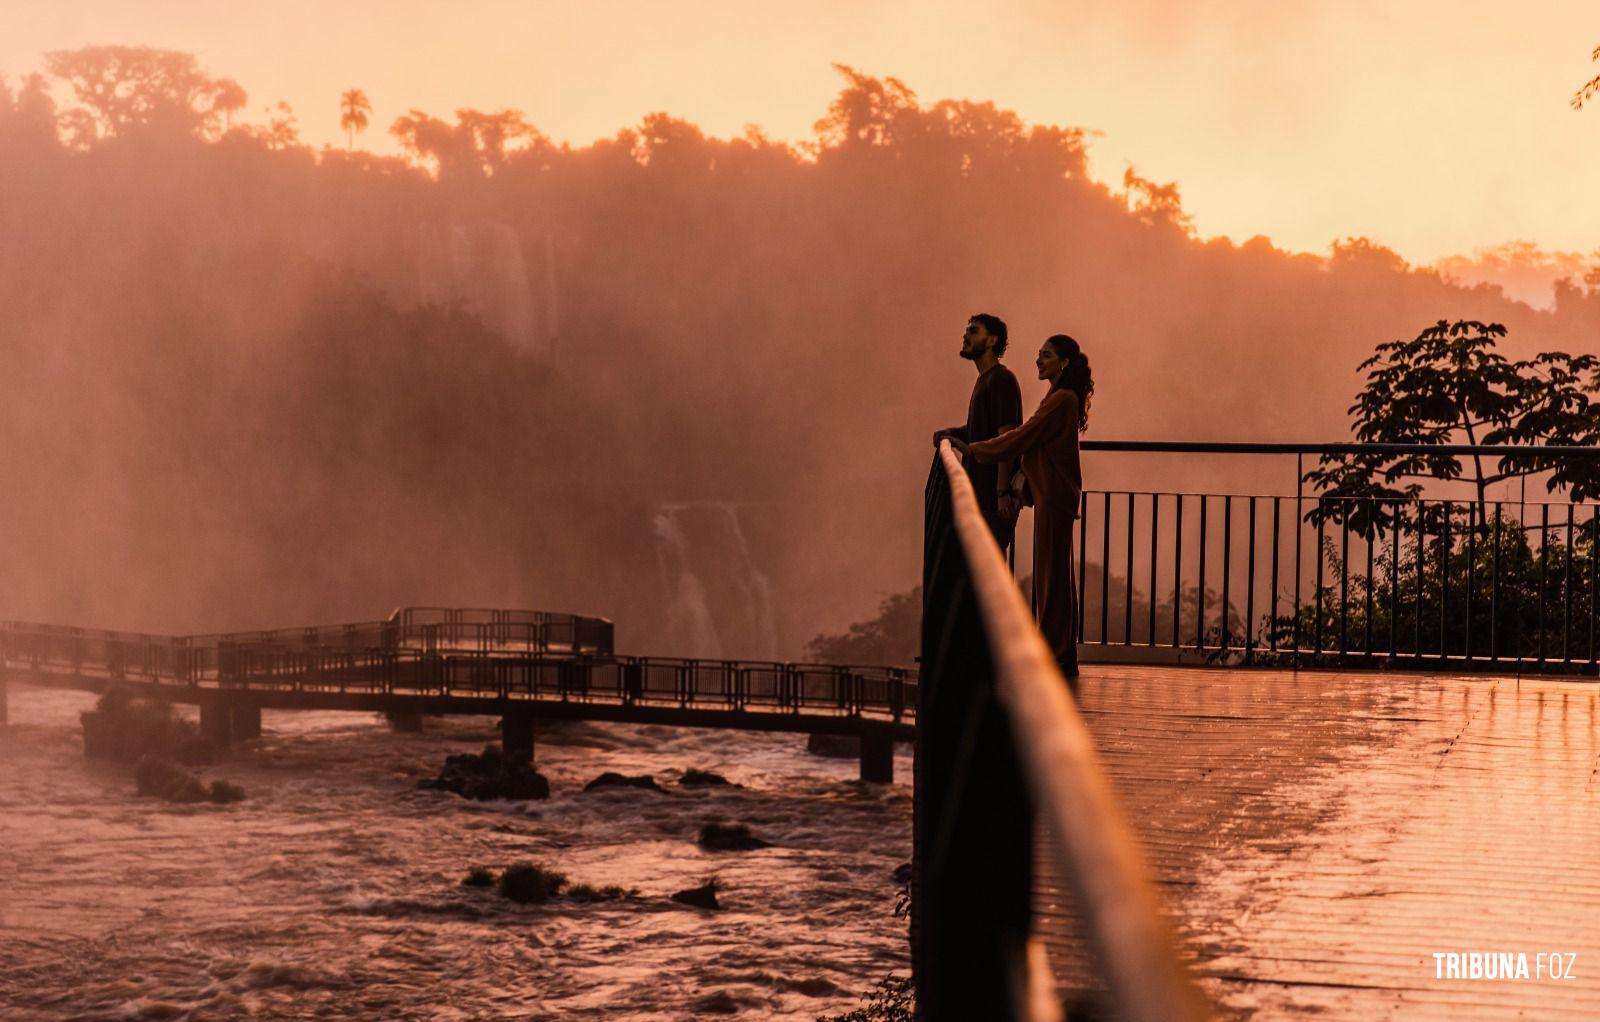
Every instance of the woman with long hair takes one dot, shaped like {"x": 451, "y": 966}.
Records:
{"x": 1047, "y": 446}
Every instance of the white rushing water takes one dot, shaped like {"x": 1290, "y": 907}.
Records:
{"x": 334, "y": 890}
{"x": 716, "y": 595}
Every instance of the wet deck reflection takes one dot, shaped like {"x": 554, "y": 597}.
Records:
{"x": 1320, "y": 836}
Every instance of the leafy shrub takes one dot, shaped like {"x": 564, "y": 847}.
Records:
{"x": 892, "y": 1001}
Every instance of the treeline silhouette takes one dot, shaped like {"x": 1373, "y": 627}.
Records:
{"x": 238, "y": 391}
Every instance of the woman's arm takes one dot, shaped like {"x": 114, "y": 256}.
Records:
{"x": 1059, "y": 410}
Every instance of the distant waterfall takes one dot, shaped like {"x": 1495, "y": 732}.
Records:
{"x": 483, "y": 268}
{"x": 718, "y": 602}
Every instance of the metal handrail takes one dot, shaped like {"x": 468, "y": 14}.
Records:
{"x": 1097, "y": 849}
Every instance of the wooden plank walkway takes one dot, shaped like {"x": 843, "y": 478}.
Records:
{"x": 1319, "y": 836}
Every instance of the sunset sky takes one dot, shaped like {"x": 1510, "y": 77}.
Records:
{"x": 1434, "y": 126}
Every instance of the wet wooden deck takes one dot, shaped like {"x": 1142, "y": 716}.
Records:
{"x": 1319, "y": 836}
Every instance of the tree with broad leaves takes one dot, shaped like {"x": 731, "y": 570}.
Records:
{"x": 1449, "y": 385}
{"x": 122, "y": 89}
{"x": 477, "y": 145}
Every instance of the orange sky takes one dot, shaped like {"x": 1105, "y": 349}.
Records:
{"x": 1435, "y": 126}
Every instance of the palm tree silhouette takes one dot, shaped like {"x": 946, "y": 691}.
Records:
{"x": 353, "y": 111}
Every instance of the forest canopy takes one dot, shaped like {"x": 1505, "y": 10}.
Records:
{"x": 680, "y": 380}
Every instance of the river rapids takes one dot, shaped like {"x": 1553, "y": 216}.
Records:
{"x": 334, "y": 890}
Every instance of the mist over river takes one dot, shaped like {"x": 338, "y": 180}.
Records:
{"x": 334, "y": 890}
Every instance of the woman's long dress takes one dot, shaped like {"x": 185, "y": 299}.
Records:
{"x": 1047, "y": 446}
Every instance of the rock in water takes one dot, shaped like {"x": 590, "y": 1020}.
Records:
{"x": 705, "y": 779}
{"x": 125, "y": 727}
{"x": 729, "y": 837}
{"x": 529, "y": 883}
{"x": 612, "y": 779}
{"x": 490, "y": 775}
{"x": 704, "y": 896}
{"x": 164, "y": 779}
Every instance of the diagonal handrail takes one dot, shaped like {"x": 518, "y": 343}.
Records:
{"x": 1097, "y": 850}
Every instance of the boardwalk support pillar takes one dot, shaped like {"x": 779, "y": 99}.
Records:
{"x": 877, "y": 758}
{"x": 516, "y": 732}
{"x": 216, "y": 722}
{"x": 245, "y": 720}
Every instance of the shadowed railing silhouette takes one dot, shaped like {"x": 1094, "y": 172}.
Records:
{"x": 999, "y": 736}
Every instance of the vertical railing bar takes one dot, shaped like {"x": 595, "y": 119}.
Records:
{"x": 1127, "y": 602}
{"x": 1444, "y": 583}
{"x": 1322, "y": 534}
{"x": 1250, "y": 588}
{"x": 1494, "y": 588}
{"x": 1518, "y": 604}
{"x": 1177, "y": 573}
{"x": 1472, "y": 577}
{"x": 1299, "y": 529}
{"x": 1083, "y": 567}
{"x": 1344, "y": 577}
{"x": 1105, "y": 571}
{"x": 1566, "y": 590}
{"x": 1155, "y": 522}
{"x": 1227, "y": 565}
{"x": 1394, "y": 577}
{"x": 1544, "y": 570}
{"x": 1422, "y": 567}
{"x": 1277, "y": 540}
{"x": 1372, "y": 517}
{"x": 1200, "y": 601}
{"x": 1594, "y": 574}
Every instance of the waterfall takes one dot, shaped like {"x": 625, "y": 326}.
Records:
{"x": 718, "y": 602}
{"x": 482, "y": 268}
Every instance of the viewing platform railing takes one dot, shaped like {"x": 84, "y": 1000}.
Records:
{"x": 197, "y": 658}
{"x": 1359, "y": 581}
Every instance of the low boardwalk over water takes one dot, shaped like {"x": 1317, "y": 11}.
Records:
{"x": 1319, "y": 836}
{"x": 514, "y": 664}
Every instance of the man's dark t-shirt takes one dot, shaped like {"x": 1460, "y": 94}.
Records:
{"x": 996, "y": 405}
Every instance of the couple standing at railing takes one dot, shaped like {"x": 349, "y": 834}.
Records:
{"x": 1013, "y": 463}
